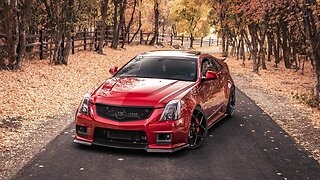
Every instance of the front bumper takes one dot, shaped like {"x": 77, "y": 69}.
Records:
{"x": 151, "y": 128}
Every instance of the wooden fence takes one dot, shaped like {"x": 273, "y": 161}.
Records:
{"x": 43, "y": 44}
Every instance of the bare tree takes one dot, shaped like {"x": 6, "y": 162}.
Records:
{"x": 127, "y": 27}
{"x": 115, "y": 37}
{"x": 156, "y": 22}
{"x": 139, "y": 23}
{"x": 104, "y": 9}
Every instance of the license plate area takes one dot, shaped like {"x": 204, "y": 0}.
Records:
{"x": 120, "y": 135}
{"x": 116, "y": 135}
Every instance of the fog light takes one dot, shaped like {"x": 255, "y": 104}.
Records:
{"x": 164, "y": 138}
{"x": 82, "y": 131}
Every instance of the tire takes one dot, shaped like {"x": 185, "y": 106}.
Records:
{"x": 231, "y": 103}
{"x": 198, "y": 129}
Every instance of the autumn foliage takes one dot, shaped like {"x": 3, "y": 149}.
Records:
{"x": 279, "y": 30}
{"x": 285, "y": 31}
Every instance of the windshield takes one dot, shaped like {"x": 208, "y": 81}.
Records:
{"x": 184, "y": 69}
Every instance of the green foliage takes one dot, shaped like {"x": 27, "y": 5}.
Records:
{"x": 190, "y": 17}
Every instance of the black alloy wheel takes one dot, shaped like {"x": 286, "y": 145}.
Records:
{"x": 198, "y": 129}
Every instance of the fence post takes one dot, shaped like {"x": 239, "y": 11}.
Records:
{"x": 140, "y": 37}
{"x": 201, "y": 41}
{"x": 171, "y": 39}
{"x": 209, "y": 41}
{"x": 85, "y": 39}
{"x": 182, "y": 39}
{"x": 41, "y": 44}
{"x": 72, "y": 41}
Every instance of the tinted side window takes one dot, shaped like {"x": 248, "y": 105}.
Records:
{"x": 216, "y": 66}
{"x": 207, "y": 66}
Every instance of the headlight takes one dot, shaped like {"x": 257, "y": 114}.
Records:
{"x": 171, "y": 111}
{"x": 84, "y": 106}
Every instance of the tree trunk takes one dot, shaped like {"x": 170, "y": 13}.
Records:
{"x": 122, "y": 22}
{"x": 285, "y": 48}
{"x": 127, "y": 32}
{"x": 10, "y": 27}
{"x": 156, "y": 23}
{"x": 270, "y": 41}
{"x": 242, "y": 50}
{"x": 313, "y": 36}
{"x": 223, "y": 30}
{"x": 115, "y": 37}
{"x": 104, "y": 9}
{"x": 139, "y": 23}
{"x": 59, "y": 55}
{"x": 22, "y": 35}
{"x": 226, "y": 53}
{"x": 254, "y": 49}
{"x": 276, "y": 47}
{"x": 262, "y": 50}
{"x": 191, "y": 40}
{"x": 238, "y": 47}
{"x": 69, "y": 28}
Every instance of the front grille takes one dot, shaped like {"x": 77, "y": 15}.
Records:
{"x": 121, "y": 113}
{"x": 120, "y": 138}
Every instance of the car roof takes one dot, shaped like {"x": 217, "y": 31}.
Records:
{"x": 172, "y": 53}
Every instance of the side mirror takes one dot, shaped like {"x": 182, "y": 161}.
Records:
{"x": 113, "y": 70}
{"x": 210, "y": 76}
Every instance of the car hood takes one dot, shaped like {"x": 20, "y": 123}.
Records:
{"x": 130, "y": 91}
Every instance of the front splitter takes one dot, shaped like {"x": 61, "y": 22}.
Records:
{"x": 154, "y": 150}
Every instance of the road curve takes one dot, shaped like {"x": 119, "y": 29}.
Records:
{"x": 249, "y": 146}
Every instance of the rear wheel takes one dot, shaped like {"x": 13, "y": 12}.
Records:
{"x": 198, "y": 129}
{"x": 231, "y": 103}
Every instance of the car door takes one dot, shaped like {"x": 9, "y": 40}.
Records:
{"x": 209, "y": 90}
{"x": 219, "y": 91}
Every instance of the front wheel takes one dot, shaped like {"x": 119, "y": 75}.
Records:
{"x": 198, "y": 129}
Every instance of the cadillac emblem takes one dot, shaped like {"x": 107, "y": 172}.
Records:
{"x": 121, "y": 114}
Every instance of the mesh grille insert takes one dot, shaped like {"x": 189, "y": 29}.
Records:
{"x": 121, "y": 113}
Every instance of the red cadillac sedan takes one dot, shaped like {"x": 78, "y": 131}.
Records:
{"x": 160, "y": 101}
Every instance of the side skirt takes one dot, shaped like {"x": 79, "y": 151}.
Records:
{"x": 222, "y": 117}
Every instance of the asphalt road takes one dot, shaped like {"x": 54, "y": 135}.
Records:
{"x": 249, "y": 146}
